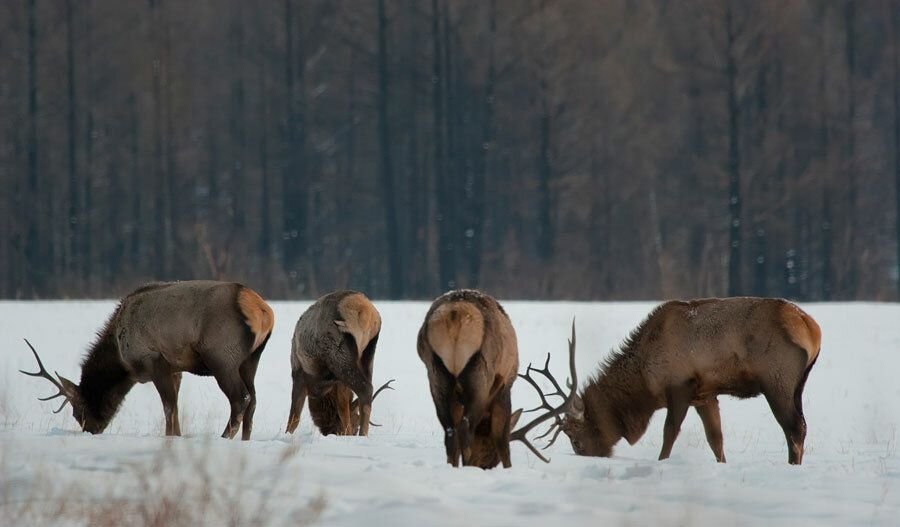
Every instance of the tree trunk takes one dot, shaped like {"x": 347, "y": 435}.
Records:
{"x": 136, "y": 238}
{"x": 486, "y": 152}
{"x": 171, "y": 209}
{"x": 895, "y": 78}
{"x": 265, "y": 231}
{"x": 238, "y": 123}
{"x": 293, "y": 192}
{"x": 545, "y": 171}
{"x": 159, "y": 167}
{"x": 33, "y": 265}
{"x": 416, "y": 266}
{"x": 392, "y": 229}
{"x": 734, "y": 161}
{"x": 851, "y": 278}
{"x": 73, "y": 219}
{"x": 87, "y": 243}
{"x": 760, "y": 263}
{"x": 446, "y": 249}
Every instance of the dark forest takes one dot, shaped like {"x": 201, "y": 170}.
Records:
{"x": 567, "y": 149}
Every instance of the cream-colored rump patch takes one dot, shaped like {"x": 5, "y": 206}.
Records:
{"x": 257, "y": 315}
{"x": 455, "y": 332}
{"x": 360, "y": 319}
{"x": 802, "y": 330}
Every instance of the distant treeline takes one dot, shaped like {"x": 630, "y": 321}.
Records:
{"x": 533, "y": 148}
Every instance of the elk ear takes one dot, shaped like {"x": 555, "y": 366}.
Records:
{"x": 577, "y": 411}
{"x": 514, "y": 418}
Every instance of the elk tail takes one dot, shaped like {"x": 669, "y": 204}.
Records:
{"x": 257, "y": 315}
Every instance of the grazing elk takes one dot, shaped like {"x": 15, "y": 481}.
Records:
{"x": 332, "y": 355}
{"x": 686, "y": 353}
{"x": 161, "y": 330}
{"x": 469, "y": 348}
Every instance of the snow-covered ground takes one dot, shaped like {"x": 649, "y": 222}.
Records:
{"x": 51, "y": 473}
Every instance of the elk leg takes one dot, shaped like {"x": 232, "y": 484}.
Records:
{"x": 176, "y": 380}
{"x": 678, "y": 400}
{"x": 448, "y": 413}
{"x": 500, "y": 425}
{"x": 233, "y": 386}
{"x": 476, "y": 387}
{"x": 342, "y": 397}
{"x": 248, "y": 375}
{"x": 447, "y": 408}
{"x": 165, "y": 385}
{"x": 356, "y": 379}
{"x": 298, "y": 398}
{"x": 712, "y": 424}
{"x": 791, "y": 420}
{"x": 367, "y": 362}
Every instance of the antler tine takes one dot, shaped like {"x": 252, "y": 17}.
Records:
{"x": 42, "y": 372}
{"x": 550, "y": 430}
{"x": 545, "y": 371}
{"x": 553, "y": 439}
{"x": 545, "y": 404}
{"x": 60, "y": 394}
{"x": 528, "y": 444}
{"x": 63, "y": 405}
{"x": 553, "y": 412}
{"x": 385, "y": 386}
{"x": 572, "y": 382}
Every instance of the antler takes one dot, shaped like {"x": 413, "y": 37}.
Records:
{"x": 552, "y": 412}
{"x": 386, "y": 386}
{"x": 63, "y": 392}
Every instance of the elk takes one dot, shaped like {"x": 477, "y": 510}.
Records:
{"x": 687, "y": 353}
{"x": 332, "y": 355}
{"x": 469, "y": 349}
{"x": 159, "y": 331}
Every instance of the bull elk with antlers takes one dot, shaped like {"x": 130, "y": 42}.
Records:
{"x": 469, "y": 348}
{"x": 332, "y": 356}
{"x": 161, "y": 330}
{"x": 686, "y": 353}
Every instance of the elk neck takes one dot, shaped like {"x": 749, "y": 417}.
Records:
{"x": 104, "y": 379}
{"x": 325, "y": 410}
{"x": 617, "y": 402}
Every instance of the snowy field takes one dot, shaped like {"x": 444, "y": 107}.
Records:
{"x": 52, "y": 474}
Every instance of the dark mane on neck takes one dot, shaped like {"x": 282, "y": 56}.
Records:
{"x": 103, "y": 376}
{"x": 621, "y": 357}
{"x": 617, "y": 393}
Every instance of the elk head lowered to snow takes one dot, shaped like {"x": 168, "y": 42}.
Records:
{"x": 161, "y": 330}
{"x": 332, "y": 355}
{"x": 686, "y": 353}
{"x": 469, "y": 348}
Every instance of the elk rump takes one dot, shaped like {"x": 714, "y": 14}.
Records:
{"x": 469, "y": 349}
{"x": 332, "y": 356}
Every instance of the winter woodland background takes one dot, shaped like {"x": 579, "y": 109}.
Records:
{"x": 534, "y": 148}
